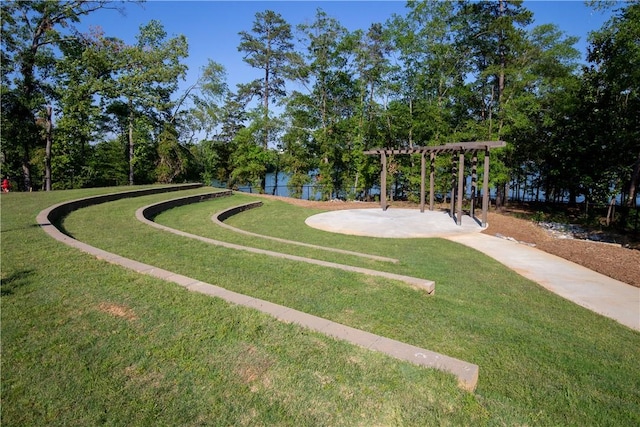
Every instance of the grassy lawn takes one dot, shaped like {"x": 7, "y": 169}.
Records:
{"x": 85, "y": 342}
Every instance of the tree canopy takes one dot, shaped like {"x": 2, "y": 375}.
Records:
{"x": 443, "y": 72}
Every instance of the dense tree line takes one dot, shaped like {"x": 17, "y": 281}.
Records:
{"x": 443, "y": 72}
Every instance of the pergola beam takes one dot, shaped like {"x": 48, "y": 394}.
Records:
{"x": 447, "y": 148}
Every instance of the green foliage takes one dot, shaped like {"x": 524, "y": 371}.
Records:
{"x": 269, "y": 48}
{"x": 215, "y": 157}
{"x": 443, "y": 72}
{"x": 250, "y": 159}
{"x": 432, "y": 67}
{"x": 173, "y": 158}
{"x": 148, "y": 74}
{"x": 296, "y": 161}
{"x": 108, "y": 165}
{"x": 31, "y": 32}
{"x": 614, "y": 85}
{"x": 207, "y": 114}
{"x": 87, "y": 66}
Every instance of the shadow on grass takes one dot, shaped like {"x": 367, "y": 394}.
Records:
{"x": 14, "y": 281}
{"x": 59, "y": 224}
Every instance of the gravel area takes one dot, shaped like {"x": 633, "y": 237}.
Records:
{"x": 612, "y": 260}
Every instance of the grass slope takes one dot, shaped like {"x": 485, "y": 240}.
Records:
{"x": 85, "y": 342}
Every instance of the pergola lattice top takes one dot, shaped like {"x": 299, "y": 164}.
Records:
{"x": 453, "y": 147}
{"x": 460, "y": 148}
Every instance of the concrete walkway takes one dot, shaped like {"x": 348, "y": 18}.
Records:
{"x": 587, "y": 288}
{"x": 599, "y": 293}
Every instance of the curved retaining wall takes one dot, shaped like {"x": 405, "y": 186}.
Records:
{"x": 466, "y": 373}
{"x": 153, "y": 210}
{"x": 59, "y": 211}
{"x": 220, "y": 217}
{"x": 144, "y": 215}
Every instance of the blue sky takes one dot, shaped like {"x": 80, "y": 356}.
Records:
{"x": 212, "y": 27}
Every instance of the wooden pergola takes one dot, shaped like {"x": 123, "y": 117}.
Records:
{"x": 458, "y": 151}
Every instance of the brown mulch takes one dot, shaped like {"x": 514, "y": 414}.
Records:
{"x": 611, "y": 260}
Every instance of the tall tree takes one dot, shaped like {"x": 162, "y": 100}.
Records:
{"x": 249, "y": 160}
{"x": 543, "y": 97}
{"x": 148, "y": 75}
{"x": 210, "y": 92}
{"x": 269, "y": 47}
{"x": 495, "y": 37}
{"x": 432, "y": 67}
{"x": 615, "y": 52}
{"x": 371, "y": 57}
{"x": 219, "y": 150}
{"x": 178, "y": 156}
{"x": 30, "y": 33}
{"x": 217, "y": 115}
{"x": 82, "y": 79}
{"x": 321, "y": 128}
{"x": 429, "y": 77}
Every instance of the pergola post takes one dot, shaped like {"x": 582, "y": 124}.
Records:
{"x": 474, "y": 182}
{"x": 460, "y": 187}
{"x": 453, "y": 185}
{"x": 485, "y": 188}
{"x": 423, "y": 174}
{"x": 383, "y": 181}
{"x": 432, "y": 159}
{"x": 457, "y": 171}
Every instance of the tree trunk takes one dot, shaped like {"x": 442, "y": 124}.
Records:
{"x": 47, "y": 155}
{"x": 411, "y": 124}
{"x": 633, "y": 184}
{"x": 503, "y": 65}
{"x": 355, "y": 186}
{"x": 573, "y": 197}
{"x": 490, "y": 114}
{"x": 506, "y": 199}
{"x": 500, "y": 196}
{"x": 275, "y": 180}
{"x": 130, "y": 142}
{"x": 29, "y": 88}
{"x": 26, "y": 171}
{"x": 611, "y": 211}
{"x": 266, "y": 109}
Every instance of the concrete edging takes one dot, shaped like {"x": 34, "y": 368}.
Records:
{"x": 222, "y": 216}
{"x": 466, "y": 373}
{"x": 144, "y": 214}
{"x": 65, "y": 208}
